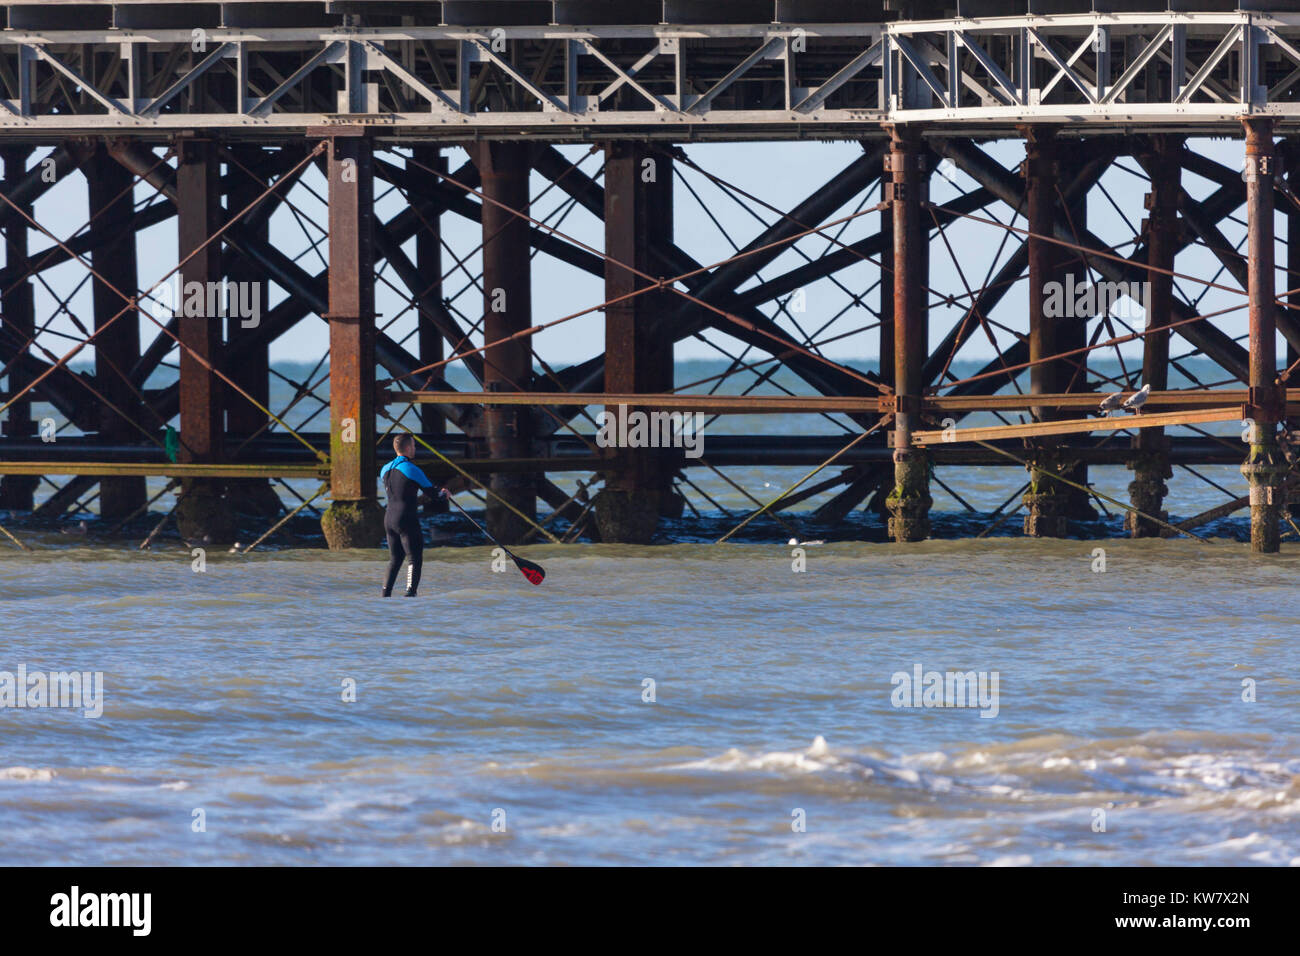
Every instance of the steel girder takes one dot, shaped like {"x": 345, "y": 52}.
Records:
{"x": 1183, "y": 70}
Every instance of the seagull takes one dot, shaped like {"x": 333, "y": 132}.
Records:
{"x": 1110, "y": 403}
{"x": 79, "y": 528}
{"x": 1137, "y": 400}
{"x": 796, "y": 543}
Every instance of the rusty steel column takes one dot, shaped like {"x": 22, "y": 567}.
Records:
{"x": 1050, "y": 311}
{"x": 884, "y": 476}
{"x": 1265, "y": 468}
{"x": 111, "y": 196}
{"x": 909, "y": 503}
{"x": 1292, "y": 425}
{"x": 17, "y": 322}
{"x": 507, "y": 309}
{"x": 886, "y": 280}
{"x": 428, "y": 262}
{"x": 251, "y": 496}
{"x": 638, "y": 215}
{"x": 201, "y": 511}
{"x": 354, "y": 518}
{"x": 1072, "y": 335}
{"x": 1150, "y": 464}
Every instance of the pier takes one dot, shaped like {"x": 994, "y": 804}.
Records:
{"x": 221, "y": 112}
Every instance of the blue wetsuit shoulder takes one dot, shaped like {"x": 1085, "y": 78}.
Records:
{"x": 408, "y": 468}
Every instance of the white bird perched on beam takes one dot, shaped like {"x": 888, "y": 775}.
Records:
{"x": 1110, "y": 403}
{"x": 1137, "y": 400}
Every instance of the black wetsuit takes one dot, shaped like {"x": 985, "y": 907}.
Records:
{"x": 402, "y": 483}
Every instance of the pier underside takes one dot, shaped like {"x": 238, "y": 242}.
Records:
{"x": 1030, "y": 209}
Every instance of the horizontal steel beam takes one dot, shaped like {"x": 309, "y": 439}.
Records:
{"x": 713, "y": 404}
{"x": 117, "y": 469}
{"x": 1187, "y": 71}
{"x": 1078, "y": 426}
{"x": 1187, "y": 398}
{"x": 282, "y": 455}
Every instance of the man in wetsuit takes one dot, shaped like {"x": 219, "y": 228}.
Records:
{"x": 402, "y": 482}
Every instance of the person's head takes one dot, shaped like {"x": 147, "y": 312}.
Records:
{"x": 404, "y": 444}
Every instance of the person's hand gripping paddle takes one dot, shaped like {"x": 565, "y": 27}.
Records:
{"x": 534, "y": 572}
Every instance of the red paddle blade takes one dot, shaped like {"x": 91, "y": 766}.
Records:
{"x": 533, "y": 572}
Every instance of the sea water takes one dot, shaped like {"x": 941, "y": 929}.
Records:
{"x": 676, "y": 704}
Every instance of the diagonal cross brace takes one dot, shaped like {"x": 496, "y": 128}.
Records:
{"x": 1211, "y": 340}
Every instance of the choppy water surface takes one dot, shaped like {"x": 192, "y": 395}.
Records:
{"x": 1119, "y": 691}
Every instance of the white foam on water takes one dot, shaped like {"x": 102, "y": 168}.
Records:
{"x": 26, "y": 774}
{"x": 818, "y": 759}
{"x": 1024, "y": 776}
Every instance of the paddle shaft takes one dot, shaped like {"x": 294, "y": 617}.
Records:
{"x": 484, "y": 530}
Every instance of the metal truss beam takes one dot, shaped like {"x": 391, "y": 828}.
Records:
{"x": 1138, "y": 70}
